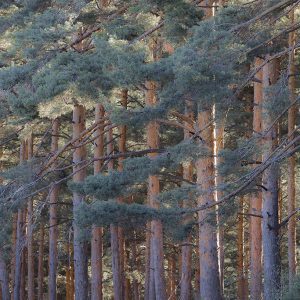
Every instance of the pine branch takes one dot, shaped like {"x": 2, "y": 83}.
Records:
{"x": 280, "y": 5}
{"x": 286, "y": 219}
{"x": 256, "y": 172}
{"x": 146, "y": 33}
{"x": 292, "y": 28}
{"x": 70, "y": 143}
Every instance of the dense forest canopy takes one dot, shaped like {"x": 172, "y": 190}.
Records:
{"x": 149, "y": 149}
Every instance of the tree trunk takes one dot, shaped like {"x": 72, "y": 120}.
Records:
{"x": 209, "y": 269}
{"x": 30, "y": 256}
{"x": 186, "y": 249}
{"x": 242, "y": 293}
{"x": 171, "y": 277}
{"x": 67, "y": 282}
{"x": 156, "y": 249}
{"x": 128, "y": 295}
{"x": 219, "y": 146}
{"x": 23, "y": 262}
{"x": 68, "y": 272}
{"x": 208, "y": 253}
{"x": 72, "y": 281}
{"x": 256, "y": 200}
{"x": 41, "y": 262}
{"x": 270, "y": 190}
{"x": 149, "y": 277}
{"x": 80, "y": 247}
{"x": 53, "y": 230}
{"x": 136, "y": 266}
{"x": 96, "y": 244}
{"x": 197, "y": 270}
{"x": 114, "y": 238}
{"x": 4, "y": 279}
{"x": 122, "y": 246}
{"x": 292, "y": 161}
{"x": 97, "y": 232}
{"x": 19, "y": 239}
{"x": 117, "y": 281}
{"x": 13, "y": 256}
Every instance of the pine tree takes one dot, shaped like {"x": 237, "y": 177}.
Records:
{"x": 292, "y": 164}
{"x": 80, "y": 247}
{"x": 154, "y": 211}
{"x": 19, "y": 239}
{"x": 256, "y": 201}
{"x": 41, "y": 262}
{"x": 30, "y": 241}
{"x": 96, "y": 243}
{"x": 270, "y": 225}
{"x": 53, "y": 230}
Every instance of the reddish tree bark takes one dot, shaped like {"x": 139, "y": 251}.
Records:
{"x": 114, "y": 241}
{"x": 156, "y": 243}
{"x": 13, "y": 255}
{"x": 30, "y": 255}
{"x": 96, "y": 244}
{"x": 53, "y": 230}
{"x": 219, "y": 146}
{"x": 209, "y": 269}
{"x": 19, "y": 239}
{"x": 186, "y": 249}
{"x": 80, "y": 247}
{"x": 122, "y": 246}
{"x": 242, "y": 287}
{"x": 41, "y": 262}
{"x": 256, "y": 200}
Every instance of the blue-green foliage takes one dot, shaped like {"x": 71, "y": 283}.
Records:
{"x": 13, "y": 75}
{"x": 43, "y": 33}
{"x": 131, "y": 216}
{"x": 209, "y": 66}
{"x": 137, "y": 170}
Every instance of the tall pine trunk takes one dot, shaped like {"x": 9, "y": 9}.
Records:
{"x": 23, "y": 263}
{"x": 80, "y": 247}
{"x": 209, "y": 269}
{"x": 156, "y": 240}
{"x": 122, "y": 246}
{"x": 30, "y": 255}
{"x": 19, "y": 239}
{"x": 171, "y": 277}
{"x": 292, "y": 160}
{"x": 208, "y": 253}
{"x": 186, "y": 249}
{"x": 13, "y": 254}
{"x": 136, "y": 265}
{"x": 96, "y": 244}
{"x": 97, "y": 232}
{"x": 197, "y": 269}
{"x": 270, "y": 224}
{"x": 114, "y": 238}
{"x": 4, "y": 279}
{"x": 149, "y": 277}
{"x": 53, "y": 230}
{"x": 242, "y": 293}
{"x": 41, "y": 262}
{"x": 256, "y": 199}
{"x": 219, "y": 146}
{"x": 69, "y": 279}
